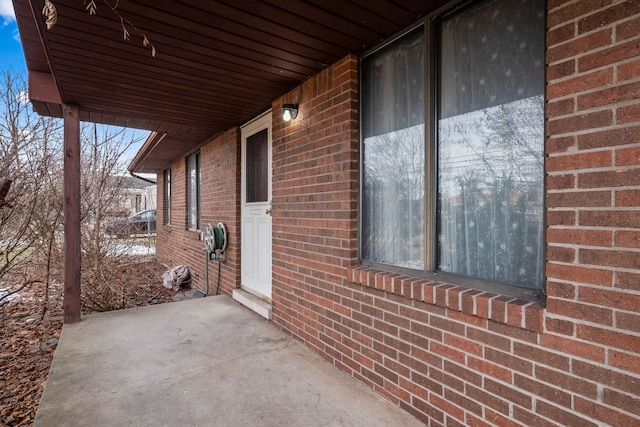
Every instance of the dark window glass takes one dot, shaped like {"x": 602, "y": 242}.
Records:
{"x": 257, "y": 176}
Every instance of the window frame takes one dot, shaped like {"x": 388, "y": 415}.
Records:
{"x": 190, "y": 204}
{"x": 167, "y": 196}
{"x": 429, "y": 24}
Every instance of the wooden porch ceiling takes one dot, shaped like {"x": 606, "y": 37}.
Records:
{"x": 218, "y": 63}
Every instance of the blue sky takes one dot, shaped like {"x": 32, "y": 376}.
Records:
{"x": 10, "y": 47}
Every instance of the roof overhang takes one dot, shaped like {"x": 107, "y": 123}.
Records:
{"x": 217, "y": 64}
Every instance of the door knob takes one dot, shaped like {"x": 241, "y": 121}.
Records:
{"x": 268, "y": 211}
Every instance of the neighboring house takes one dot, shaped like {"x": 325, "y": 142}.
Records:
{"x": 136, "y": 195}
{"x": 140, "y": 195}
{"x": 453, "y": 216}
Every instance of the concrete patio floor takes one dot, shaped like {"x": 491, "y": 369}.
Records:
{"x": 201, "y": 362}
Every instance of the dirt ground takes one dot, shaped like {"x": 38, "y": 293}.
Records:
{"x": 28, "y": 340}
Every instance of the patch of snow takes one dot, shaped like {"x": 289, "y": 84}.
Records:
{"x": 6, "y": 291}
{"x": 134, "y": 250}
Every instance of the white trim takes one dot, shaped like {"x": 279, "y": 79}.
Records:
{"x": 256, "y": 274}
{"x": 255, "y": 119}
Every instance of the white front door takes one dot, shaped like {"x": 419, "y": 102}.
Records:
{"x": 256, "y": 207}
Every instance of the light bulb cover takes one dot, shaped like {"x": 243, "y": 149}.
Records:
{"x": 289, "y": 111}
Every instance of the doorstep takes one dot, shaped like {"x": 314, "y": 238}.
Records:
{"x": 253, "y": 303}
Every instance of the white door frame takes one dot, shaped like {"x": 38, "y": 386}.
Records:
{"x": 256, "y": 246}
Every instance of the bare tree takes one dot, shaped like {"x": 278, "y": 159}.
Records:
{"x": 30, "y": 157}
{"x": 31, "y": 216}
{"x": 102, "y": 189}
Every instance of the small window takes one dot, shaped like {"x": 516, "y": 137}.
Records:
{"x": 453, "y": 151}
{"x": 167, "y": 196}
{"x": 193, "y": 191}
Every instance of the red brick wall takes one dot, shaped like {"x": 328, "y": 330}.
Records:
{"x": 315, "y": 193}
{"x": 220, "y": 202}
{"x": 593, "y": 201}
{"x": 448, "y": 354}
{"x": 455, "y": 356}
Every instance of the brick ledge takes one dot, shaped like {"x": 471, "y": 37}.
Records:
{"x": 488, "y": 305}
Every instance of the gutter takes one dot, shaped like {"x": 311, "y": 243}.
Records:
{"x": 149, "y": 145}
{"x": 133, "y": 174}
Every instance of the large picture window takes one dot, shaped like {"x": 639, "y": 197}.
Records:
{"x": 453, "y": 152}
{"x": 193, "y": 191}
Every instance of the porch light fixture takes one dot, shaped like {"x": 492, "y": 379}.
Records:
{"x": 290, "y": 111}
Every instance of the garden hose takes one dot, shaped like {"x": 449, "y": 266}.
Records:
{"x": 219, "y": 237}
{"x": 215, "y": 242}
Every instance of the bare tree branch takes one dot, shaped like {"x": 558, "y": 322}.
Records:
{"x": 49, "y": 11}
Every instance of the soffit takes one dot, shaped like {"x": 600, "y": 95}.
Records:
{"x": 218, "y": 63}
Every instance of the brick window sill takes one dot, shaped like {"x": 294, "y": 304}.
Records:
{"x": 483, "y": 304}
